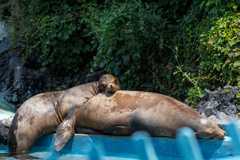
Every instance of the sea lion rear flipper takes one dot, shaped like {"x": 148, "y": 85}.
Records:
{"x": 64, "y": 133}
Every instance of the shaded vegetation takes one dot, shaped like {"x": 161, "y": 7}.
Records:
{"x": 172, "y": 47}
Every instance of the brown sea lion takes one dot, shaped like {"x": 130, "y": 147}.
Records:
{"x": 125, "y": 112}
{"x": 53, "y": 112}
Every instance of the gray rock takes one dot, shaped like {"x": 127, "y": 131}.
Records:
{"x": 3, "y": 135}
{"x": 5, "y": 45}
{"x": 21, "y": 84}
{"x": 3, "y": 70}
{"x": 18, "y": 72}
{"x": 220, "y": 105}
{"x": 227, "y": 107}
{"x": 12, "y": 54}
{"x": 7, "y": 121}
{"x": 15, "y": 62}
{"x": 4, "y": 60}
{"x": 14, "y": 98}
{"x": 4, "y": 127}
{"x": 222, "y": 119}
{"x": 6, "y": 79}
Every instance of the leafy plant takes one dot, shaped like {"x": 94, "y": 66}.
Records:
{"x": 129, "y": 39}
{"x": 54, "y": 30}
{"x": 195, "y": 93}
{"x": 221, "y": 49}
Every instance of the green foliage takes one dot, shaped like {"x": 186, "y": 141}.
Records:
{"x": 127, "y": 38}
{"x": 221, "y": 45}
{"x": 195, "y": 93}
{"x": 130, "y": 40}
{"x": 134, "y": 40}
{"x": 4, "y": 10}
{"x": 216, "y": 6}
{"x": 54, "y": 30}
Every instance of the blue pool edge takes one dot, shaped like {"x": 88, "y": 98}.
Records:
{"x": 122, "y": 145}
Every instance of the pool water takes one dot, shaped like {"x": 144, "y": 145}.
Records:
{"x": 121, "y": 148}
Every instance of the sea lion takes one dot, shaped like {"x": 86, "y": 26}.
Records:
{"x": 53, "y": 112}
{"x": 125, "y": 112}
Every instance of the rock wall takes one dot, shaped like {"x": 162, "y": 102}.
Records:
{"x": 17, "y": 82}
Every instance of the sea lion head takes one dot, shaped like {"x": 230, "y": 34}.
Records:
{"x": 210, "y": 130}
{"x": 108, "y": 83}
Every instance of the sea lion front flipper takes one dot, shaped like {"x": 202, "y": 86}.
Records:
{"x": 64, "y": 132}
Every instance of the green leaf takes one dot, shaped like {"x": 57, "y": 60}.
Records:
{"x": 232, "y": 42}
{"x": 201, "y": 95}
{"x": 201, "y": 5}
{"x": 238, "y": 2}
{"x": 236, "y": 64}
{"x": 102, "y": 64}
{"x": 227, "y": 90}
{"x": 76, "y": 69}
{"x": 47, "y": 42}
{"x": 126, "y": 58}
{"x": 65, "y": 36}
{"x": 59, "y": 34}
{"x": 112, "y": 65}
{"x": 75, "y": 49}
{"x": 209, "y": 2}
{"x": 87, "y": 48}
{"x": 55, "y": 49}
{"x": 238, "y": 96}
{"x": 117, "y": 71}
{"x": 122, "y": 77}
{"x": 237, "y": 53}
{"x": 235, "y": 7}
{"x": 58, "y": 89}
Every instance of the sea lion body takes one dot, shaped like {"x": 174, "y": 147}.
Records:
{"x": 52, "y": 112}
{"x": 125, "y": 112}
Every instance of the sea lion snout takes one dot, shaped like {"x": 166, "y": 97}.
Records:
{"x": 221, "y": 134}
{"x": 111, "y": 88}
{"x": 210, "y": 130}
{"x": 218, "y": 133}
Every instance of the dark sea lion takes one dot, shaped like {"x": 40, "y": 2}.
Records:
{"x": 53, "y": 112}
{"x": 125, "y": 112}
